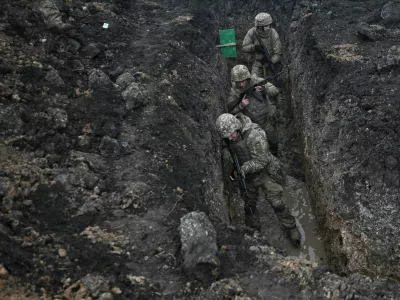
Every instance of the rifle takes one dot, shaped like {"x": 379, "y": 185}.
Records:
{"x": 271, "y": 68}
{"x": 238, "y": 169}
{"x": 250, "y": 90}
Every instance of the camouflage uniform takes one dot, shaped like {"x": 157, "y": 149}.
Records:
{"x": 259, "y": 110}
{"x": 261, "y": 169}
{"x": 52, "y": 16}
{"x": 269, "y": 38}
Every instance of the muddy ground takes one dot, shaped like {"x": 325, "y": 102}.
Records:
{"x": 97, "y": 168}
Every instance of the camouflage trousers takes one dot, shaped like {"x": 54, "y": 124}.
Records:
{"x": 273, "y": 193}
{"x": 257, "y": 69}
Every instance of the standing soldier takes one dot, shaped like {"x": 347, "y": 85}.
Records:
{"x": 52, "y": 16}
{"x": 259, "y": 168}
{"x": 260, "y": 41}
{"x": 255, "y": 104}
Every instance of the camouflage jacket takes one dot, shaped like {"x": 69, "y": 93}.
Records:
{"x": 259, "y": 108}
{"x": 270, "y": 40}
{"x": 251, "y": 147}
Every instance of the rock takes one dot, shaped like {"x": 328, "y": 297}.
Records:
{"x": 95, "y": 284}
{"x": 5, "y": 90}
{"x": 95, "y": 162}
{"x": 84, "y": 141}
{"x": 83, "y": 177}
{"x": 106, "y": 296}
{"x": 59, "y": 117}
{"x": 62, "y": 252}
{"x": 115, "y": 73}
{"x": 3, "y": 272}
{"x": 136, "y": 280}
{"x": 109, "y": 147}
{"x": 54, "y": 79}
{"x": 91, "y": 50}
{"x": 119, "y": 213}
{"x": 116, "y": 291}
{"x": 27, "y": 202}
{"x": 125, "y": 80}
{"x": 10, "y": 118}
{"x": 391, "y": 162}
{"x": 99, "y": 80}
{"x": 393, "y": 57}
{"x": 390, "y": 12}
{"x": 72, "y": 46}
{"x": 8, "y": 202}
{"x": 141, "y": 77}
{"x": 371, "y": 32}
{"x": 199, "y": 247}
{"x": 223, "y": 289}
{"x": 134, "y": 96}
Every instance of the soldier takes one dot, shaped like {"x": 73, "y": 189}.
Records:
{"x": 255, "y": 105}
{"x": 262, "y": 33}
{"x": 52, "y": 16}
{"x": 260, "y": 169}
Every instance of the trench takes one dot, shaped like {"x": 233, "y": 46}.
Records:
{"x": 171, "y": 152}
{"x": 296, "y": 194}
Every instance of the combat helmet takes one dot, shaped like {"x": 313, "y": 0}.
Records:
{"x": 240, "y": 73}
{"x": 227, "y": 124}
{"x": 262, "y": 19}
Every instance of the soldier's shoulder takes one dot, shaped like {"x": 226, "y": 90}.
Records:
{"x": 274, "y": 33}
{"x": 255, "y": 79}
{"x": 251, "y": 31}
{"x": 256, "y": 133}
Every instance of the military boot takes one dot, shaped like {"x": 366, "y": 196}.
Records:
{"x": 252, "y": 218}
{"x": 294, "y": 236}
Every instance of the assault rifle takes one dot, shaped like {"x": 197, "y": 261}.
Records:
{"x": 271, "y": 68}
{"x": 238, "y": 169}
{"x": 250, "y": 90}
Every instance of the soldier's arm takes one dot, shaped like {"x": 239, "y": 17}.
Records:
{"x": 271, "y": 90}
{"x": 248, "y": 42}
{"x": 258, "y": 146}
{"x": 277, "y": 47}
{"x": 232, "y": 98}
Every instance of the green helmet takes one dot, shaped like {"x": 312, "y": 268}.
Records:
{"x": 240, "y": 73}
{"x": 263, "y": 19}
{"x": 227, "y": 124}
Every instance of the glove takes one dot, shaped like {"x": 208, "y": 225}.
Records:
{"x": 258, "y": 48}
{"x": 275, "y": 59}
{"x": 242, "y": 174}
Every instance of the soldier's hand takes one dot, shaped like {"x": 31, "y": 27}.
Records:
{"x": 260, "y": 88}
{"x": 244, "y": 101}
{"x": 258, "y": 48}
{"x": 242, "y": 174}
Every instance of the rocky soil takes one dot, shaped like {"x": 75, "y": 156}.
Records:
{"x": 107, "y": 140}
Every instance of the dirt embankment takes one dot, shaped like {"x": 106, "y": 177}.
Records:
{"x": 344, "y": 79}
{"x": 107, "y": 139}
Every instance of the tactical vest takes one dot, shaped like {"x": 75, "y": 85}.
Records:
{"x": 240, "y": 148}
{"x": 258, "y": 109}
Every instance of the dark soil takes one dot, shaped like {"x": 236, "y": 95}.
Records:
{"x": 94, "y": 185}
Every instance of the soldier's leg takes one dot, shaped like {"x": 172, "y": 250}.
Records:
{"x": 273, "y": 192}
{"x": 251, "y": 215}
{"x": 52, "y": 16}
{"x": 257, "y": 69}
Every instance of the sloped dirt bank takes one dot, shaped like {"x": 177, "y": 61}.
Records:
{"x": 344, "y": 81}
{"x": 107, "y": 140}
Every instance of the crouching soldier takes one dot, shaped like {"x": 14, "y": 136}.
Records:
{"x": 259, "y": 168}
{"x": 256, "y": 104}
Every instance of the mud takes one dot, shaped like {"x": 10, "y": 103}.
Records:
{"x": 96, "y": 175}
